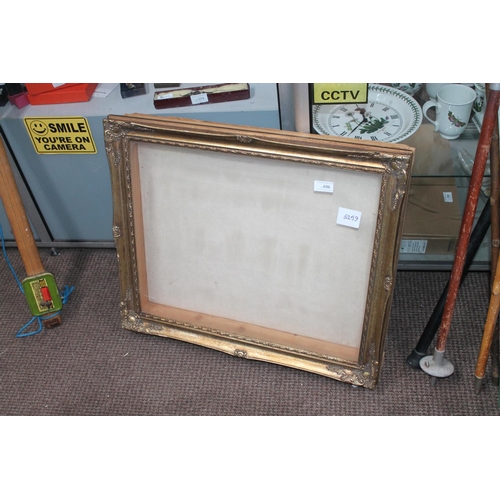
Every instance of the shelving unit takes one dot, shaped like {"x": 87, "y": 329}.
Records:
{"x": 441, "y": 170}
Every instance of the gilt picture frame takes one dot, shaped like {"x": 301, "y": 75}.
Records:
{"x": 268, "y": 245}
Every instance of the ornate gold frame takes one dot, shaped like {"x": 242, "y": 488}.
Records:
{"x": 145, "y": 153}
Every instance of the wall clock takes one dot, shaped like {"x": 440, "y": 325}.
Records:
{"x": 390, "y": 115}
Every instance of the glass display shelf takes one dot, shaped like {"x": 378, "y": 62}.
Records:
{"x": 438, "y": 193}
{"x": 439, "y": 182}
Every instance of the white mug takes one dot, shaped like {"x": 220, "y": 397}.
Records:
{"x": 432, "y": 89}
{"x": 453, "y": 108}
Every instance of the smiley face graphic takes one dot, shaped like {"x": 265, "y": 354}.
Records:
{"x": 38, "y": 127}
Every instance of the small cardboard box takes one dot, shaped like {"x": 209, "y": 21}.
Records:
{"x": 81, "y": 92}
{"x": 433, "y": 217}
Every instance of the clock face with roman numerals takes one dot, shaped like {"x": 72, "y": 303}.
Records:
{"x": 374, "y": 121}
{"x": 390, "y": 115}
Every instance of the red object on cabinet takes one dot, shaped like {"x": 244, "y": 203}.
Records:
{"x": 79, "y": 92}
{"x": 40, "y": 88}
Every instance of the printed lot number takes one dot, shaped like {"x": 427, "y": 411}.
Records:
{"x": 323, "y": 186}
{"x": 199, "y": 98}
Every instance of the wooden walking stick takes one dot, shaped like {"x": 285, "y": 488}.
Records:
{"x": 489, "y": 328}
{"x": 432, "y": 326}
{"x": 437, "y": 365}
{"x": 39, "y": 286}
{"x": 494, "y": 195}
{"x": 489, "y": 342}
{"x": 495, "y": 233}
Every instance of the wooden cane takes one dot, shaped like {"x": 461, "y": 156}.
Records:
{"x": 14, "y": 208}
{"x": 489, "y": 328}
{"x": 495, "y": 233}
{"x": 438, "y": 366}
{"x": 489, "y": 342}
{"x": 432, "y": 326}
{"x": 494, "y": 195}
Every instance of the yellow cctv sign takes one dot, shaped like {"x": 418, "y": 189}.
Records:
{"x": 340, "y": 93}
{"x": 60, "y": 135}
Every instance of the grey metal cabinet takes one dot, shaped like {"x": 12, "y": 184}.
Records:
{"x": 69, "y": 195}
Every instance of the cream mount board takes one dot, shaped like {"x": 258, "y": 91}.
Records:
{"x": 264, "y": 244}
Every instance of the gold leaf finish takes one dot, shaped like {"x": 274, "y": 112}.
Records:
{"x": 357, "y": 364}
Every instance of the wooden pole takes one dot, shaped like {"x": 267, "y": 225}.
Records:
{"x": 489, "y": 328}
{"x": 494, "y": 195}
{"x": 495, "y": 233}
{"x": 14, "y": 208}
{"x": 489, "y": 342}
{"x": 477, "y": 236}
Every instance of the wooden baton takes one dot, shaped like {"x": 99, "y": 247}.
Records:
{"x": 16, "y": 214}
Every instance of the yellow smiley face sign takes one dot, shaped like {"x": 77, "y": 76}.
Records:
{"x": 60, "y": 135}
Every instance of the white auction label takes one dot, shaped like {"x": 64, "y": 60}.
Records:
{"x": 413, "y": 246}
{"x": 199, "y": 98}
{"x": 323, "y": 186}
{"x": 348, "y": 217}
{"x": 448, "y": 196}
{"x": 165, "y": 96}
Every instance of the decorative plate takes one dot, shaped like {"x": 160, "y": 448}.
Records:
{"x": 390, "y": 115}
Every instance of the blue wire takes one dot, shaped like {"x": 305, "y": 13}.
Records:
{"x": 19, "y": 334}
{"x": 64, "y": 296}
